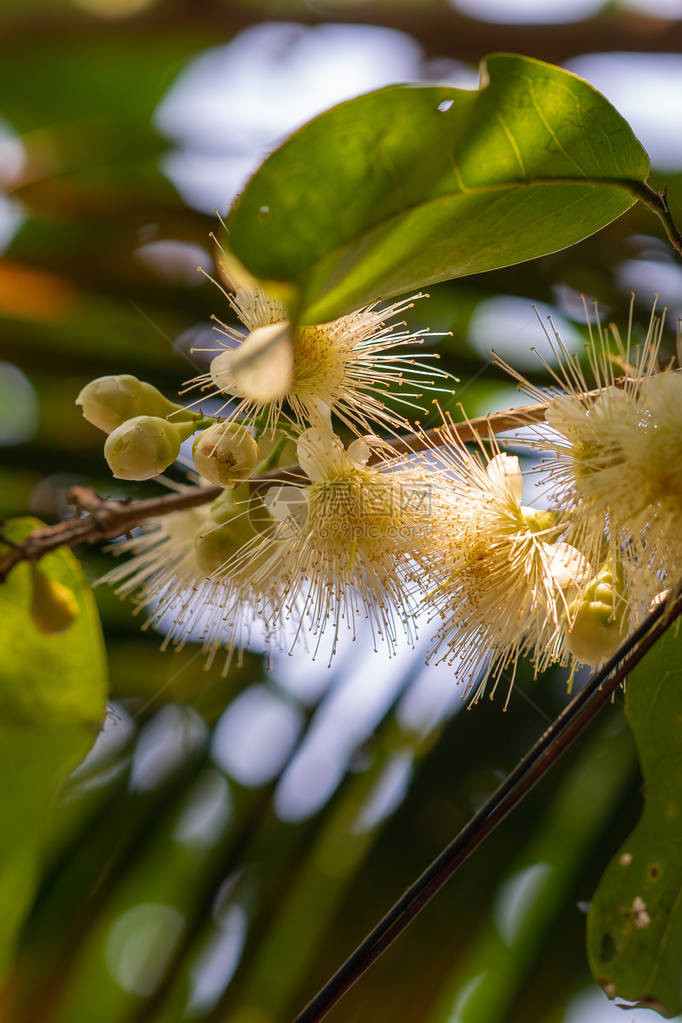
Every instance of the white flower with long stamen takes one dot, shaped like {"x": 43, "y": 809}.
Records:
{"x": 504, "y": 578}
{"x": 355, "y": 538}
{"x": 351, "y": 364}
{"x": 176, "y": 576}
{"x": 616, "y": 455}
{"x": 342, "y": 549}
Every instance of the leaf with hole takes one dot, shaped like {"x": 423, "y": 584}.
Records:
{"x": 414, "y": 184}
{"x": 634, "y": 935}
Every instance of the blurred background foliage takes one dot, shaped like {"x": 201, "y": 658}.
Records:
{"x": 230, "y": 839}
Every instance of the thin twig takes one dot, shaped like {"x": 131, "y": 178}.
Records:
{"x": 107, "y": 518}
{"x": 575, "y": 717}
{"x": 657, "y": 202}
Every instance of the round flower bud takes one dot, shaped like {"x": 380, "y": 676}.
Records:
{"x": 215, "y": 544}
{"x": 598, "y": 618}
{"x": 109, "y": 401}
{"x": 229, "y": 529}
{"x": 144, "y": 446}
{"x": 540, "y": 520}
{"x": 261, "y": 368}
{"x": 226, "y": 454}
{"x": 53, "y": 605}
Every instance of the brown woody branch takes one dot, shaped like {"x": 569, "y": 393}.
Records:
{"x": 107, "y": 517}
{"x": 440, "y": 29}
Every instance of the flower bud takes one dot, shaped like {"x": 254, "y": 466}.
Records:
{"x": 598, "y": 618}
{"x": 215, "y": 544}
{"x": 144, "y": 446}
{"x": 261, "y": 368}
{"x": 109, "y": 401}
{"x": 540, "y": 520}
{"x": 53, "y": 605}
{"x": 226, "y": 454}
{"x": 230, "y": 527}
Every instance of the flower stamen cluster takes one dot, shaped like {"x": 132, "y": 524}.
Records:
{"x": 351, "y": 364}
{"x": 615, "y": 455}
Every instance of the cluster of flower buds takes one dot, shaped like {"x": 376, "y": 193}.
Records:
{"x": 146, "y": 430}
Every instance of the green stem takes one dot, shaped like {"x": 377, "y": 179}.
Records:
{"x": 272, "y": 461}
{"x": 259, "y": 425}
{"x": 203, "y": 423}
{"x": 657, "y": 202}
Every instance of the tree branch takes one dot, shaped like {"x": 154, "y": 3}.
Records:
{"x": 575, "y": 717}
{"x": 439, "y": 28}
{"x": 108, "y": 517}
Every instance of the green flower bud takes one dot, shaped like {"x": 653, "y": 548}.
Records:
{"x": 109, "y": 401}
{"x": 53, "y": 605}
{"x": 215, "y": 544}
{"x": 540, "y": 520}
{"x": 226, "y": 454}
{"x": 144, "y": 446}
{"x": 598, "y": 617}
{"x": 223, "y": 508}
{"x": 231, "y": 525}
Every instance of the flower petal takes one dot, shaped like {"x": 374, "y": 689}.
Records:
{"x": 505, "y": 472}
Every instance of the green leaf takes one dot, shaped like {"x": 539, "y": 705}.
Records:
{"x": 52, "y": 700}
{"x": 414, "y": 184}
{"x": 634, "y": 934}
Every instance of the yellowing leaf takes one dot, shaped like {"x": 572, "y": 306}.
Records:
{"x": 52, "y": 700}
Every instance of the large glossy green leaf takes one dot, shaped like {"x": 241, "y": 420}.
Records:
{"x": 52, "y": 699}
{"x": 635, "y": 922}
{"x": 414, "y": 184}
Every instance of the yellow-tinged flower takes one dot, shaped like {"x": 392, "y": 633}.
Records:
{"x": 353, "y": 537}
{"x": 343, "y": 548}
{"x": 504, "y": 580}
{"x": 616, "y": 462}
{"x": 350, "y": 365}
{"x": 177, "y": 576}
